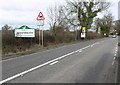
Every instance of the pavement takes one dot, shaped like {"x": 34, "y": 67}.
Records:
{"x": 85, "y": 62}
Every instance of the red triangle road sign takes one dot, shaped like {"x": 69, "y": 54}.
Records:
{"x": 40, "y": 16}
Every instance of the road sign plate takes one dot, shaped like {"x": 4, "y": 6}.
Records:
{"x": 40, "y": 16}
{"x": 82, "y": 35}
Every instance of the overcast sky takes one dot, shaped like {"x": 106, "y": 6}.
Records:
{"x": 24, "y": 12}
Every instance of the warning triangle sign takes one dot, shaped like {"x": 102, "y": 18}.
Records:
{"x": 40, "y": 16}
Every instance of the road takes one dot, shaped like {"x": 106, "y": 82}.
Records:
{"x": 118, "y": 79}
{"x": 85, "y": 62}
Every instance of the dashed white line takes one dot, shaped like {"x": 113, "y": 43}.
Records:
{"x": 92, "y": 45}
{"x": 116, "y": 50}
{"x": 98, "y": 43}
{"x": 53, "y": 63}
{"x": 23, "y": 73}
{"x": 115, "y": 54}
{"x": 39, "y": 66}
{"x": 80, "y": 51}
{"x": 34, "y": 68}
{"x": 86, "y": 47}
{"x": 33, "y": 54}
{"x": 113, "y": 63}
{"x": 114, "y": 58}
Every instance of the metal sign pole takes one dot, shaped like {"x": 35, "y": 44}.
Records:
{"x": 39, "y": 35}
{"x": 40, "y": 18}
{"x": 42, "y": 35}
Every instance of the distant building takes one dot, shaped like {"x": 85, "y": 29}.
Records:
{"x": 119, "y": 10}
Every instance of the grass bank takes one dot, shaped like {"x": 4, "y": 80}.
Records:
{"x": 35, "y": 49}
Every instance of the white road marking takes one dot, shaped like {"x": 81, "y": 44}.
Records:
{"x": 27, "y": 71}
{"x": 98, "y": 43}
{"x": 80, "y": 51}
{"x": 113, "y": 63}
{"x": 92, "y": 45}
{"x": 39, "y": 66}
{"x": 34, "y": 53}
{"x": 115, "y": 54}
{"x": 114, "y": 58}
{"x": 86, "y": 47}
{"x": 53, "y": 63}
{"x": 34, "y": 68}
{"x": 116, "y": 50}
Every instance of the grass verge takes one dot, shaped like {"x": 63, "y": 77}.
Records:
{"x": 38, "y": 48}
{"x": 35, "y": 49}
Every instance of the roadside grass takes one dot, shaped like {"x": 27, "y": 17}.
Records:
{"x": 35, "y": 49}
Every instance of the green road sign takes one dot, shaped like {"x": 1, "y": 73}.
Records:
{"x": 24, "y": 31}
{"x": 24, "y": 27}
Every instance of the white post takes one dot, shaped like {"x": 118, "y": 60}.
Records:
{"x": 40, "y": 23}
{"x": 42, "y": 36}
{"x": 39, "y": 35}
{"x": 40, "y": 18}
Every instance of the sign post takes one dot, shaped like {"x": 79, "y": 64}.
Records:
{"x": 25, "y": 32}
{"x": 40, "y": 19}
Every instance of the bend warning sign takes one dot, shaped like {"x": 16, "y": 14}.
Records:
{"x": 83, "y": 29}
{"x": 40, "y": 16}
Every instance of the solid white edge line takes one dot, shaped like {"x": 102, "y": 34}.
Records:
{"x": 39, "y": 66}
{"x": 53, "y": 63}
{"x": 33, "y": 53}
{"x": 86, "y": 47}
{"x": 34, "y": 68}
{"x": 80, "y": 51}
{"x": 98, "y": 43}
{"x": 22, "y": 73}
{"x": 91, "y": 45}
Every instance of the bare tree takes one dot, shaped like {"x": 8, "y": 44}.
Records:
{"x": 117, "y": 26}
{"x": 53, "y": 16}
{"x": 105, "y": 23}
{"x": 84, "y": 12}
{"x": 58, "y": 24}
{"x": 57, "y": 16}
{"x": 6, "y": 27}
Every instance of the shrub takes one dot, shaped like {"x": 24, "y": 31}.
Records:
{"x": 92, "y": 35}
